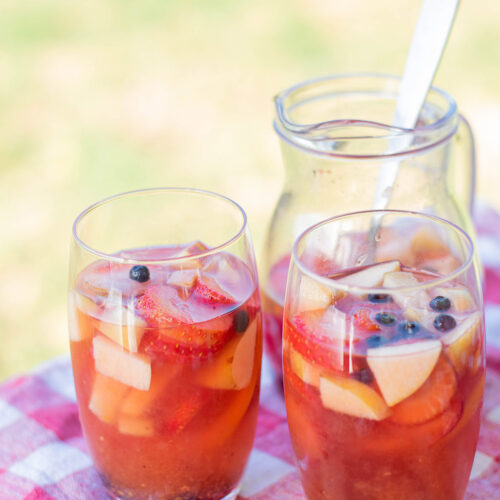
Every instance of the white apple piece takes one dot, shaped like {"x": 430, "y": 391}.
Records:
{"x": 313, "y": 295}
{"x": 371, "y": 276}
{"x": 136, "y": 426}
{"x": 183, "y": 278}
{"x": 128, "y": 368}
{"x": 122, "y": 326}
{"x": 460, "y": 298}
{"x": 402, "y": 369}
{"x": 106, "y": 397}
{"x": 416, "y": 299}
{"x": 460, "y": 343}
{"x": 346, "y": 395}
{"x": 233, "y": 367}
{"x": 77, "y": 305}
{"x": 307, "y": 372}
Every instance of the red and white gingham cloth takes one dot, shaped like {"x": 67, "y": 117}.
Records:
{"x": 43, "y": 455}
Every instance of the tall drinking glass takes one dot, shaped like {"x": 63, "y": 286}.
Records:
{"x": 384, "y": 357}
{"x": 166, "y": 342}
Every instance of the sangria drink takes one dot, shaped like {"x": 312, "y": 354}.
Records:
{"x": 166, "y": 344}
{"x": 384, "y": 358}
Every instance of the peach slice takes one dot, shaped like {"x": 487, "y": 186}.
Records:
{"x": 346, "y": 395}
{"x": 460, "y": 298}
{"x": 136, "y": 426}
{"x": 307, "y": 372}
{"x": 313, "y": 295}
{"x": 121, "y": 325}
{"x": 402, "y": 369}
{"x": 130, "y": 369}
{"x": 106, "y": 397}
{"x": 417, "y": 299}
{"x": 370, "y": 276}
{"x": 461, "y": 342}
{"x": 233, "y": 367}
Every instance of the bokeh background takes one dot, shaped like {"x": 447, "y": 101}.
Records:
{"x": 103, "y": 96}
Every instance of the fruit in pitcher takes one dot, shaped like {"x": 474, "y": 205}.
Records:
{"x": 460, "y": 298}
{"x": 139, "y": 273}
{"x": 307, "y": 372}
{"x": 106, "y": 397}
{"x": 413, "y": 298}
{"x": 209, "y": 291}
{"x": 402, "y": 369}
{"x": 346, "y": 395}
{"x": 130, "y": 369}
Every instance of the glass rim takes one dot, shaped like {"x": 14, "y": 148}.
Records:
{"x": 287, "y": 129}
{"x": 158, "y": 190}
{"x": 361, "y": 290}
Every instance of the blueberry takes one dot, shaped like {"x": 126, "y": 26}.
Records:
{"x": 444, "y": 322}
{"x": 408, "y": 327}
{"x": 440, "y": 303}
{"x": 376, "y": 341}
{"x": 364, "y": 375}
{"x": 139, "y": 273}
{"x": 240, "y": 321}
{"x": 378, "y": 298}
{"x": 385, "y": 318}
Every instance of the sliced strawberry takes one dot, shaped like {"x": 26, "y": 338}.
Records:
{"x": 208, "y": 291}
{"x": 362, "y": 320}
{"x": 182, "y": 413}
{"x": 161, "y": 306}
{"x": 317, "y": 343}
{"x": 432, "y": 399}
{"x": 195, "y": 340}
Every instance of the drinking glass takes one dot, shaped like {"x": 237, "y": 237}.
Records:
{"x": 383, "y": 357}
{"x": 166, "y": 342}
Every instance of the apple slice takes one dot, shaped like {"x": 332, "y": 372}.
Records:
{"x": 80, "y": 314}
{"x": 122, "y": 326}
{"x": 313, "y": 295}
{"x": 417, "y": 299}
{"x": 307, "y": 372}
{"x": 130, "y": 369}
{"x": 136, "y": 426}
{"x": 233, "y": 367}
{"x": 461, "y": 342}
{"x": 346, "y": 395}
{"x": 460, "y": 298}
{"x": 402, "y": 369}
{"x": 371, "y": 276}
{"x": 106, "y": 397}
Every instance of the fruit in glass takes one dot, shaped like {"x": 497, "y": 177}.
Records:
{"x": 384, "y": 358}
{"x": 166, "y": 346}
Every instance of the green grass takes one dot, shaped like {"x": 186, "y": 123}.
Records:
{"x": 99, "y": 97}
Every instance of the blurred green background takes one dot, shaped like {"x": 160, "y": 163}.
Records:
{"x": 103, "y": 96}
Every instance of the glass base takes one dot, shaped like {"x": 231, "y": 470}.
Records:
{"x": 121, "y": 495}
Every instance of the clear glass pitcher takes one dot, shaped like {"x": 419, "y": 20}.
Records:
{"x": 336, "y": 138}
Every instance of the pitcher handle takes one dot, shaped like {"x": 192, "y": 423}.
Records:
{"x": 466, "y": 160}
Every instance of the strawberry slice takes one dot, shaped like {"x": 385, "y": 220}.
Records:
{"x": 317, "y": 342}
{"x": 161, "y": 306}
{"x": 362, "y": 320}
{"x": 182, "y": 413}
{"x": 432, "y": 399}
{"x": 208, "y": 291}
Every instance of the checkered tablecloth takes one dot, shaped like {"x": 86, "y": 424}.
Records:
{"x": 43, "y": 455}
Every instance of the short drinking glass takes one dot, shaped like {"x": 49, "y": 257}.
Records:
{"x": 166, "y": 342}
{"x": 384, "y": 357}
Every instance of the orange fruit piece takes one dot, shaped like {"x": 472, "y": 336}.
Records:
{"x": 432, "y": 399}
